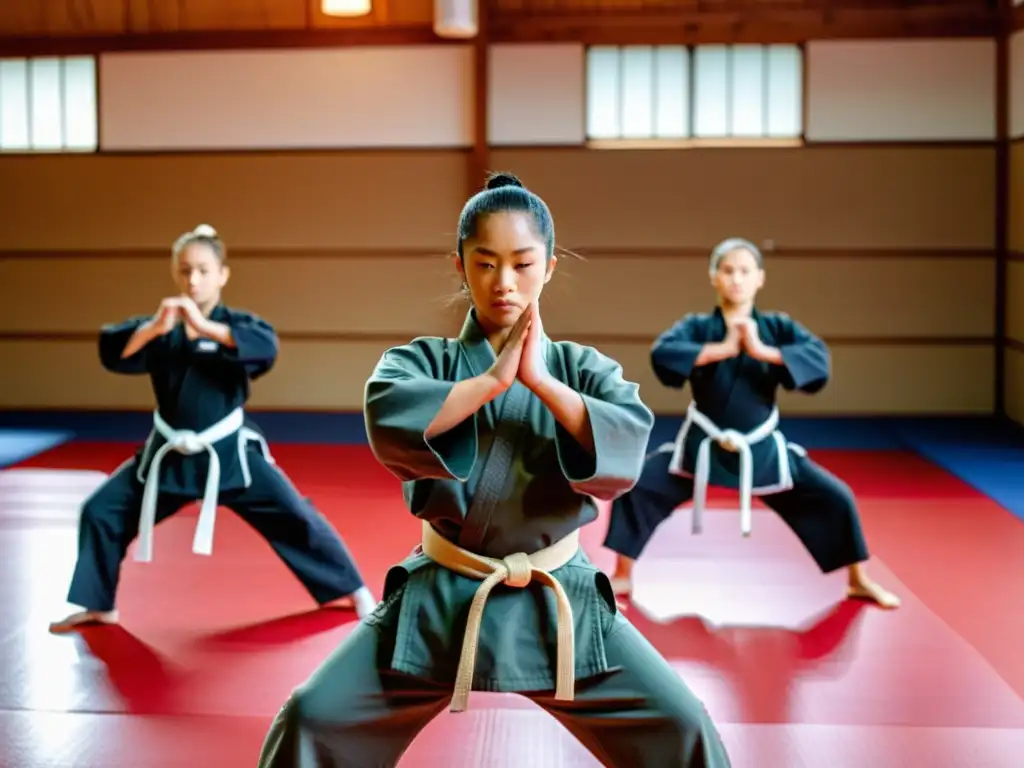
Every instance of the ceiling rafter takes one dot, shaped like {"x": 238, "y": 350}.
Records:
{"x": 65, "y": 27}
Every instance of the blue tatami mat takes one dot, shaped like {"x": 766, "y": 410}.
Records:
{"x": 20, "y": 444}
{"x": 989, "y": 459}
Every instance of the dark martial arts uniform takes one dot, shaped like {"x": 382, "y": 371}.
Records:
{"x": 202, "y": 447}
{"x": 506, "y": 482}
{"x": 735, "y": 398}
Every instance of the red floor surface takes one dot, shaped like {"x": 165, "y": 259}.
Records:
{"x": 795, "y": 677}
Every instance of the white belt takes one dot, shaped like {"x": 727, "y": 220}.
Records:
{"x": 189, "y": 443}
{"x": 731, "y": 440}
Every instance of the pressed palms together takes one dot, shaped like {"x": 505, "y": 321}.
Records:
{"x": 522, "y": 357}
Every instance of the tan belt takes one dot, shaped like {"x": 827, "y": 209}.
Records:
{"x": 516, "y": 570}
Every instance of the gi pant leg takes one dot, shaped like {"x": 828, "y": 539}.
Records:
{"x": 636, "y": 515}
{"x": 108, "y": 523}
{"x": 296, "y": 531}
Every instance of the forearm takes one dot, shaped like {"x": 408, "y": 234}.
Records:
{"x": 713, "y": 353}
{"x": 219, "y": 332}
{"x": 466, "y": 398}
{"x": 144, "y": 334}
{"x": 766, "y": 354}
{"x": 569, "y": 410}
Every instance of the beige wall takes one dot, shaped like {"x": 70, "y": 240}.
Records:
{"x": 345, "y": 253}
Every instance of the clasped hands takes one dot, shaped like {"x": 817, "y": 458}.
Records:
{"x": 742, "y": 336}
{"x": 180, "y": 309}
{"x": 522, "y": 355}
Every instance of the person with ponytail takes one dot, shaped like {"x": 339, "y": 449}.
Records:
{"x": 736, "y": 358}
{"x": 201, "y": 357}
{"x": 503, "y": 440}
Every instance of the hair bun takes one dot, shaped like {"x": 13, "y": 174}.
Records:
{"x": 204, "y": 230}
{"x": 496, "y": 180}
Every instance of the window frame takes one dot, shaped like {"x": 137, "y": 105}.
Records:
{"x": 65, "y": 149}
{"x": 695, "y": 142}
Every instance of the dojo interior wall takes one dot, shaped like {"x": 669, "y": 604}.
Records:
{"x": 882, "y": 226}
{"x": 1014, "y": 328}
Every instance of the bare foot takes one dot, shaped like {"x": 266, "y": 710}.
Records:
{"x": 868, "y": 590}
{"x": 361, "y": 600}
{"x": 622, "y": 589}
{"x": 622, "y": 586}
{"x": 341, "y": 602}
{"x": 83, "y": 619}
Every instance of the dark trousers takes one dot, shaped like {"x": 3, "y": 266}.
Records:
{"x": 820, "y": 509}
{"x": 297, "y": 532}
{"x": 354, "y": 712}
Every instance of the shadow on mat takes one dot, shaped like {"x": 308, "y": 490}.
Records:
{"x": 760, "y": 664}
{"x": 280, "y": 631}
{"x": 145, "y": 681}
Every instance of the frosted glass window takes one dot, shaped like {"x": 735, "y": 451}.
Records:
{"x": 14, "y": 104}
{"x": 47, "y": 115}
{"x": 708, "y": 91}
{"x": 80, "y": 110}
{"x": 785, "y": 91}
{"x": 672, "y": 92}
{"x": 711, "y": 88}
{"x": 748, "y": 93}
{"x": 637, "y": 92}
{"x": 603, "y": 93}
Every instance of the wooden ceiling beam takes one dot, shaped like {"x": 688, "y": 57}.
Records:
{"x": 715, "y": 24}
{"x": 751, "y": 26}
{"x": 72, "y": 45}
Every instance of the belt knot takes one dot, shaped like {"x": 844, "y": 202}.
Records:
{"x": 187, "y": 442}
{"x": 731, "y": 440}
{"x": 520, "y": 570}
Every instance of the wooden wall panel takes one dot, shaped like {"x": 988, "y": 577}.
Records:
{"x": 1016, "y": 206}
{"x": 828, "y": 197}
{"x": 195, "y": 15}
{"x": 330, "y": 374}
{"x": 62, "y": 17}
{"x": 1015, "y": 301}
{"x": 348, "y": 292}
{"x": 48, "y": 25}
{"x": 345, "y": 252}
{"x": 145, "y": 17}
{"x": 372, "y": 200}
{"x": 1015, "y": 384}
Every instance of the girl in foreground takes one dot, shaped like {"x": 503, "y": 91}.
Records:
{"x": 735, "y": 358}
{"x": 201, "y": 357}
{"x": 501, "y": 436}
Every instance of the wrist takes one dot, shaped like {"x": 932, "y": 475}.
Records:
{"x": 723, "y": 350}
{"x": 493, "y": 384}
{"x": 761, "y": 351}
{"x": 543, "y": 386}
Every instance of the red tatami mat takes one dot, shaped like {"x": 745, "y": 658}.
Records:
{"x": 210, "y": 647}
